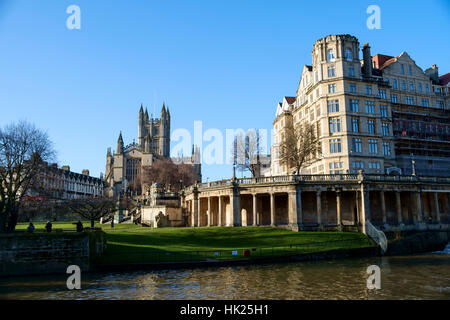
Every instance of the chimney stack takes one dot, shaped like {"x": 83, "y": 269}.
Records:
{"x": 85, "y": 172}
{"x": 367, "y": 59}
{"x": 433, "y": 73}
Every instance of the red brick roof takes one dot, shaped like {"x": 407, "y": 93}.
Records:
{"x": 445, "y": 79}
{"x": 380, "y": 60}
{"x": 290, "y": 100}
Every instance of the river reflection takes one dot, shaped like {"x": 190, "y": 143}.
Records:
{"x": 409, "y": 277}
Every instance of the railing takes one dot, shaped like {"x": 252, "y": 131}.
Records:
{"x": 152, "y": 256}
{"x": 377, "y": 235}
{"x": 350, "y": 177}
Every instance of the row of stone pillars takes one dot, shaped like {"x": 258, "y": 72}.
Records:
{"x": 230, "y": 209}
{"x": 233, "y": 212}
{"x": 295, "y": 219}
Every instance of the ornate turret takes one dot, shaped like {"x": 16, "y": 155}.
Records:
{"x": 162, "y": 138}
{"x": 146, "y": 115}
{"x": 120, "y": 144}
{"x": 147, "y": 143}
{"x": 141, "y": 127}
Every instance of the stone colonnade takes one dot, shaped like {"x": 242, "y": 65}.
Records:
{"x": 298, "y": 207}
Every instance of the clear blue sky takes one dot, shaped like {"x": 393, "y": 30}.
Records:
{"x": 226, "y": 63}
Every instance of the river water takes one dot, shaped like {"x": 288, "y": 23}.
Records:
{"x": 407, "y": 277}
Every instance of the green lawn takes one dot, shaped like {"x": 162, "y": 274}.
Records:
{"x": 132, "y": 243}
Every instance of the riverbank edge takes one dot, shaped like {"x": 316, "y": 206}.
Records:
{"x": 415, "y": 243}
{"x": 324, "y": 255}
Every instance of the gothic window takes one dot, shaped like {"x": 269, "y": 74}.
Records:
{"x": 348, "y": 54}
{"x": 133, "y": 169}
{"x": 330, "y": 55}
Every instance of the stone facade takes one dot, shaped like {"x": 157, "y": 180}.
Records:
{"x": 162, "y": 209}
{"x": 125, "y": 165}
{"x": 61, "y": 183}
{"x": 49, "y": 253}
{"x": 322, "y": 202}
{"x": 379, "y": 113}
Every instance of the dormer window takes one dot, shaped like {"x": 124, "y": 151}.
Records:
{"x": 330, "y": 55}
{"x": 348, "y": 54}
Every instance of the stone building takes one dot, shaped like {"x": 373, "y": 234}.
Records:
{"x": 61, "y": 183}
{"x": 380, "y": 114}
{"x": 349, "y": 202}
{"x": 162, "y": 209}
{"x": 124, "y": 166}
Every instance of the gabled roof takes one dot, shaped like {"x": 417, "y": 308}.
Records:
{"x": 445, "y": 79}
{"x": 380, "y": 60}
{"x": 290, "y": 100}
{"x": 286, "y": 105}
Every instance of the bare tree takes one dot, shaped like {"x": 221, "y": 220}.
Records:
{"x": 91, "y": 209}
{"x": 135, "y": 185}
{"x": 168, "y": 174}
{"x": 23, "y": 150}
{"x": 298, "y": 146}
{"x": 247, "y": 151}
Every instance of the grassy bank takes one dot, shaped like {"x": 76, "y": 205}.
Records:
{"x": 134, "y": 244}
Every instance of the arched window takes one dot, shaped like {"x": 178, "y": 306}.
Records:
{"x": 348, "y": 54}
{"x": 330, "y": 55}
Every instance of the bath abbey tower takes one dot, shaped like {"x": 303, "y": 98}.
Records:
{"x": 154, "y": 134}
{"x": 125, "y": 164}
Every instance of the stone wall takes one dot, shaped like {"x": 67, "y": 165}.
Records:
{"x": 419, "y": 242}
{"x": 173, "y": 214}
{"x": 41, "y": 253}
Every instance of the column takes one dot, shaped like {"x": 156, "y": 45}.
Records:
{"x": 219, "y": 223}
{"x": 209, "y": 215}
{"x": 383, "y": 207}
{"x": 365, "y": 208}
{"x": 418, "y": 204}
{"x": 436, "y": 206}
{"x": 272, "y": 209}
{"x": 199, "y": 213}
{"x": 295, "y": 209}
{"x": 235, "y": 208}
{"x": 358, "y": 208}
{"x": 338, "y": 210}
{"x": 190, "y": 206}
{"x": 195, "y": 214}
{"x": 319, "y": 209}
{"x": 255, "y": 210}
{"x": 398, "y": 207}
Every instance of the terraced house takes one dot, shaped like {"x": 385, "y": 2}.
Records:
{"x": 381, "y": 114}
{"x": 61, "y": 183}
